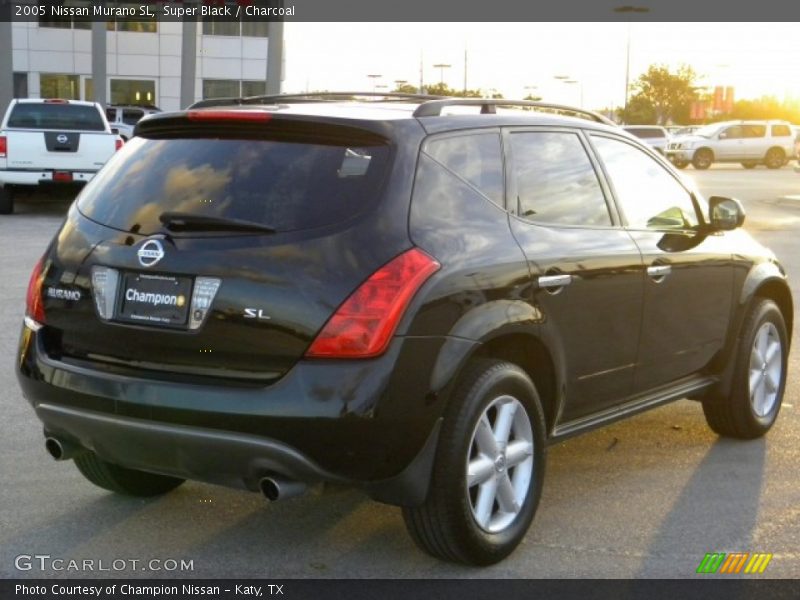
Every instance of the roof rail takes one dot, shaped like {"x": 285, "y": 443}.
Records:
{"x": 316, "y": 97}
{"x": 433, "y": 108}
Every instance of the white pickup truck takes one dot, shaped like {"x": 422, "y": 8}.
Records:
{"x": 51, "y": 142}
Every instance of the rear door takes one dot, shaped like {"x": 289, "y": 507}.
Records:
{"x": 756, "y": 143}
{"x": 689, "y": 273}
{"x": 586, "y": 269}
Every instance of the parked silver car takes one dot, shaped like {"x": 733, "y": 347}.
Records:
{"x": 750, "y": 143}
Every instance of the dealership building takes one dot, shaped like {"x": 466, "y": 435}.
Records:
{"x": 168, "y": 64}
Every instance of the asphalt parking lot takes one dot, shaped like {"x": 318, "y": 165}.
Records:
{"x": 647, "y": 497}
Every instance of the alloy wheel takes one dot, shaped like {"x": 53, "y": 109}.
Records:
{"x": 766, "y": 369}
{"x": 500, "y": 464}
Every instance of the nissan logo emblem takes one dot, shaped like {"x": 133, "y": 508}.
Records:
{"x": 150, "y": 253}
{"x": 62, "y": 138}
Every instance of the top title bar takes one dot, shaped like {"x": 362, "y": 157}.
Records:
{"x": 407, "y": 10}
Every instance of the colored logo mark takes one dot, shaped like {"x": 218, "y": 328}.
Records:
{"x": 734, "y": 563}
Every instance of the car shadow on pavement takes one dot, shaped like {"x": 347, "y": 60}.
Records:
{"x": 716, "y": 511}
{"x": 315, "y": 535}
{"x": 68, "y": 536}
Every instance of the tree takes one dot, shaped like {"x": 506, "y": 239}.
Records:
{"x": 662, "y": 96}
{"x": 406, "y": 88}
{"x": 766, "y": 107}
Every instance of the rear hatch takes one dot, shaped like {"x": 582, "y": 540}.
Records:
{"x": 57, "y": 136}
{"x": 219, "y": 248}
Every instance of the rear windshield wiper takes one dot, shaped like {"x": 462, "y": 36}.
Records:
{"x": 183, "y": 221}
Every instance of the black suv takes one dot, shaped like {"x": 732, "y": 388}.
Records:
{"x": 274, "y": 292}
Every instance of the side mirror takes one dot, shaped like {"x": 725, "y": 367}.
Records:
{"x": 115, "y": 131}
{"x": 725, "y": 213}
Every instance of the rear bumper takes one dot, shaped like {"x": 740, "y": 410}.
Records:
{"x": 371, "y": 424}
{"x": 43, "y": 177}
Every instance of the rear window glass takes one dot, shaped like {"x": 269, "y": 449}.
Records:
{"x": 646, "y": 133}
{"x": 284, "y": 185}
{"x": 65, "y": 117}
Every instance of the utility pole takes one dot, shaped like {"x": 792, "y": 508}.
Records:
{"x": 465, "y": 71}
{"x": 421, "y": 85}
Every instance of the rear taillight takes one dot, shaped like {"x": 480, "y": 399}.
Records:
{"x": 33, "y": 300}
{"x": 119, "y": 145}
{"x": 364, "y": 324}
{"x": 3, "y": 146}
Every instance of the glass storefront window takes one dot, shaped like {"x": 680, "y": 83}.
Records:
{"x": 133, "y": 91}
{"x": 220, "y": 88}
{"x": 254, "y": 88}
{"x": 59, "y": 85}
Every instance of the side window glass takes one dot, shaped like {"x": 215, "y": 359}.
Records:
{"x": 780, "y": 130}
{"x": 476, "y": 158}
{"x": 111, "y": 114}
{"x": 648, "y": 194}
{"x": 755, "y": 131}
{"x": 555, "y": 180}
{"x": 731, "y": 133}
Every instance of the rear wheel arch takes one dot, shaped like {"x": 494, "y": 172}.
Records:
{"x": 775, "y": 157}
{"x": 530, "y": 354}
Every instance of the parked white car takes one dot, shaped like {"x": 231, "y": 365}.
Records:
{"x": 652, "y": 135}
{"x": 125, "y": 118}
{"x": 51, "y": 142}
{"x": 750, "y": 143}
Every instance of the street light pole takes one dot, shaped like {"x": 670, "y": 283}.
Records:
{"x": 441, "y": 67}
{"x": 580, "y": 83}
{"x": 627, "y": 68}
{"x": 374, "y": 78}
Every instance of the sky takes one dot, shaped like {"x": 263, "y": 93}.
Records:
{"x": 756, "y": 58}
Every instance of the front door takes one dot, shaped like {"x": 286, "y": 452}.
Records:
{"x": 688, "y": 274}
{"x": 586, "y": 269}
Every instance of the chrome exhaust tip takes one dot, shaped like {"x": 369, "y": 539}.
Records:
{"x": 61, "y": 449}
{"x": 277, "y": 488}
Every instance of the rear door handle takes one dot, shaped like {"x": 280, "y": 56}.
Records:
{"x": 658, "y": 272}
{"x": 552, "y": 282}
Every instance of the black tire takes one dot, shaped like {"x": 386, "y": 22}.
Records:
{"x": 775, "y": 158}
{"x": 736, "y": 414}
{"x": 749, "y": 164}
{"x": 680, "y": 164}
{"x": 6, "y": 201}
{"x": 122, "y": 480}
{"x": 702, "y": 159}
{"x": 446, "y": 525}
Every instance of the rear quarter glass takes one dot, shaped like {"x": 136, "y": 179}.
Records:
{"x": 284, "y": 184}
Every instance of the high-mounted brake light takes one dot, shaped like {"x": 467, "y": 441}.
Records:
{"x": 34, "y": 308}
{"x": 56, "y": 101}
{"x": 364, "y": 324}
{"x": 3, "y": 146}
{"x": 229, "y": 115}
